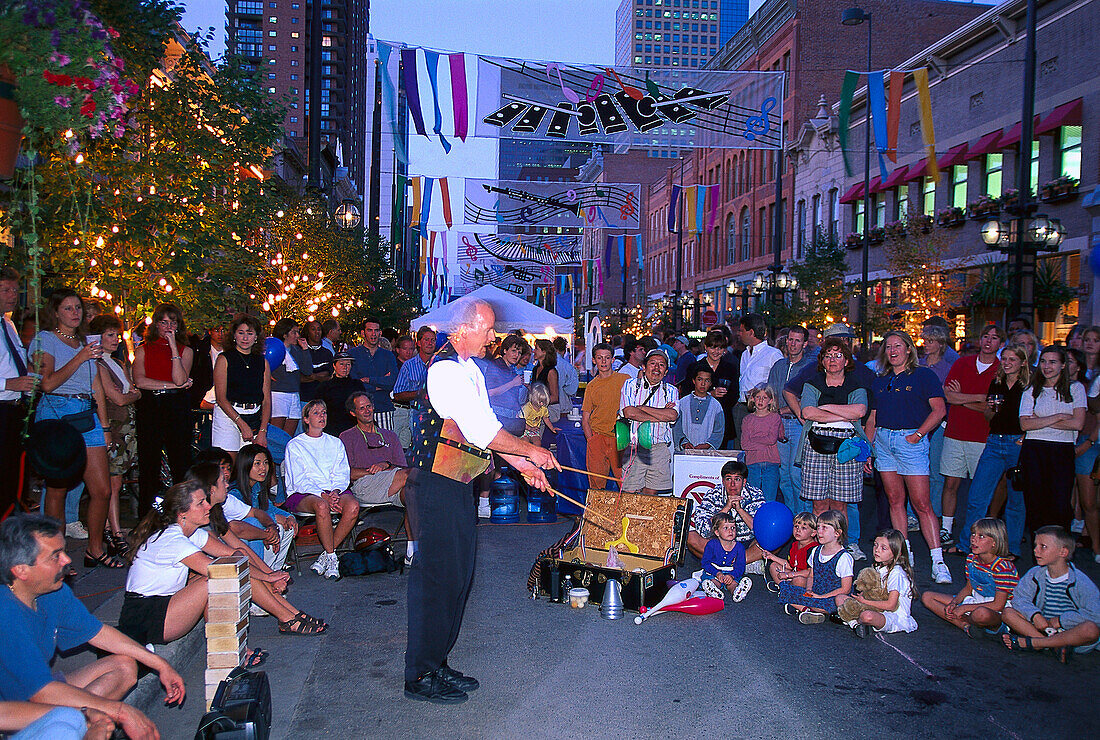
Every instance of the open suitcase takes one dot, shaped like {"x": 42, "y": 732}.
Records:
{"x": 651, "y": 534}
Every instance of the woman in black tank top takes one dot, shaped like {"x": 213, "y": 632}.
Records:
{"x": 242, "y": 389}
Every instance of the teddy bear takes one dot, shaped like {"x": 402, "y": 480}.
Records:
{"x": 869, "y": 585}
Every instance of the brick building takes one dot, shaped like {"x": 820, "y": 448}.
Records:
{"x": 806, "y": 40}
{"x": 976, "y": 81}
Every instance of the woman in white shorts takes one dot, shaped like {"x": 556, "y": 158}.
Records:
{"x": 242, "y": 389}
{"x": 286, "y": 378}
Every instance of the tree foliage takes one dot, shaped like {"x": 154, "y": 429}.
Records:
{"x": 918, "y": 260}
{"x": 822, "y": 297}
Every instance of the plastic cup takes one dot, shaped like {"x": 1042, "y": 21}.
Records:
{"x": 578, "y": 597}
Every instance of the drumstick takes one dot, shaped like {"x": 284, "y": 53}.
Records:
{"x": 588, "y": 472}
{"x": 584, "y": 508}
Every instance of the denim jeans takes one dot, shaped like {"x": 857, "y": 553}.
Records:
{"x": 60, "y": 723}
{"x": 853, "y": 523}
{"x": 790, "y": 477}
{"x": 935, "y": 477}
{"x": 1002, "y": 452}
{"x": 765, "y": 476}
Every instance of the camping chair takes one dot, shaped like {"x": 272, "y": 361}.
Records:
{"x": 295, "y": 553}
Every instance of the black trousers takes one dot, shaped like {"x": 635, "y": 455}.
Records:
{"x": 442, "y": 518}
{"x": 12, "y": 416}
{"x": 163, "y": 425}
{"x": 1048, "y": 483}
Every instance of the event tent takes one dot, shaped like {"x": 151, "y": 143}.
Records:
{"x": 512, "y": 312}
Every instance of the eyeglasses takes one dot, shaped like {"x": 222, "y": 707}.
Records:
{"x": 833, "y": 356}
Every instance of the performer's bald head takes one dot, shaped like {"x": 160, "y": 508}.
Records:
{"x": 475, "y": 327}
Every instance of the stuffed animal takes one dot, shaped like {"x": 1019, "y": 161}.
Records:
{"x": 869, "y": 585}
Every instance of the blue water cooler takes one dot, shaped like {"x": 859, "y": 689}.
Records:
{"x": 541, "y": 507}
{"x": 503, "y": 501}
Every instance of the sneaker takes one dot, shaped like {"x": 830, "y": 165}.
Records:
{"x": 712, "y": 589}
{"x": 771, "y": 585}
{"x": 256, "y": 611}
{"x": 946, "y": 540}
{"x": 862, "y": 631}
{"x": 742, "y": 589}
{"x": 912, "y": 524}
{"x": 76, "y": 531}
{"x": 855, "y": 552}
{"x": 320, "y": 565}
{"x": 808, "y": 617}
{"x": 483, "y": 510}
{"x": 332, "y": 569}
{"x": 458, "y": 679}
{"x": 1077, "y": 526}
{"x": 434, "y": 688}
{"x": 790, "y": 611}
{"x": 755, "y": 568}
{"x": 940, "y": 572}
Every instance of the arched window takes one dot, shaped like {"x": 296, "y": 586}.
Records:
{"x": 731, "y": 239}
{"x": 746, "y": 235}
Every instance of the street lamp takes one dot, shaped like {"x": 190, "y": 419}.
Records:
{"x": 1040, "y": 234}
{"x": 347, "y": 215}
{"x": 855, "y": 17}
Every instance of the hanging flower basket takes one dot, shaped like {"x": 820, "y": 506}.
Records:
{"x": 984, "y": 208}
{"x": 1059, "y": 189}
{"x": 853, "y": 241}
{"x": 951, "y": 217}
{"x": 876, "y": 234}
{"x": 895, "y": 230}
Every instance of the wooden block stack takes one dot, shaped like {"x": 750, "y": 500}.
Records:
{"x": 227, "y": 619}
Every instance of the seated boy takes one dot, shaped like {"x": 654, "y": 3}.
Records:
{"x": 1054, "y": 606}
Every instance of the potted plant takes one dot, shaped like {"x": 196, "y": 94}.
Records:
{"x": 1060, "y": 188}
{"x": 853, "y": 241}
{"x": 69, "y": 85}
{"x": 895, "y": 229}
{"x": 989, "y": 295}
{"x": 876, "y": 234}
{"x": 1051, "y": 291}
{"x": 984, "y": 207}
{"x": 951, "y": 217}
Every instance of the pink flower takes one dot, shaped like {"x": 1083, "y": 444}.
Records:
{"x": 59, "y": 59}
{"x": 63, "y": 101}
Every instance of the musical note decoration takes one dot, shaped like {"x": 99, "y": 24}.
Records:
{"x": 525, "y": 249}
{"x": 760, "y": 125}
{"x": 527, "y": 203}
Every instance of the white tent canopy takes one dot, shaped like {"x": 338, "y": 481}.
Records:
{"x": 512, "y": 312}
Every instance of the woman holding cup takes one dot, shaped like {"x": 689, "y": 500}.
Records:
{"x": 72, "y": 391}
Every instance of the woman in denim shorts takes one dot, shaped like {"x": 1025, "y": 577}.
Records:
{"x": 908, "y": 405}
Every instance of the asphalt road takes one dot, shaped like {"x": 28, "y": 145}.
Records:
{"x": 550, "y": 671}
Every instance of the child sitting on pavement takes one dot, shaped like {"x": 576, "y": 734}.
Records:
{"x": 990, "y": 580}
{"x": 724, "y": 560}
{"x": 892, "y": 564}
{"x": 796, "y": 568}
{"x": 830, "y": 580}
{"x": 1055, "y": 606}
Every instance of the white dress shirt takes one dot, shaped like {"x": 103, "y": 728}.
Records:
{"x": 456, "y": 390}
{"x": 8, "y": 368}
{"x": 756, "y": 365}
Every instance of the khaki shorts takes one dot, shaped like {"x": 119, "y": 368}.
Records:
{"x": 648, "y": 469}
{"x": 960, "y": 458}
{"x": 374, "y": 489}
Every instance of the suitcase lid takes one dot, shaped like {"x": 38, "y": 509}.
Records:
{"x": 640, "y": 520}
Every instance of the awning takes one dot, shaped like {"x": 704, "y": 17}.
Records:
{"x": 917, "y": 171}
{"x": 955, "y": 155}
{"x": 1067, "y": 114}
{"x": 897, "y": 177}
{"x": 853, "y": 193}
{"x": 876, "y": 184}
{"x": 1012, "y": 135}
{"x": 985, "y": 145}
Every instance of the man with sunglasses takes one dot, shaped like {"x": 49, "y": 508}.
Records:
{"x": 378, "y": 467}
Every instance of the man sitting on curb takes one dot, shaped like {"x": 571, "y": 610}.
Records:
{"x": 41, "y": 615}
{"x": 378, "y": 467}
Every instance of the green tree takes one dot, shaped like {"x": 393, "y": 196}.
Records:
{"x": 822, "y": 297}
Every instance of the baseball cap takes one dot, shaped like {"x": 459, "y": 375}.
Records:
{"x": 839, "y": 330}
{"x": 655, "y": 353}
{"x": 682, "y": 339}
{"x": 342, "y": 356}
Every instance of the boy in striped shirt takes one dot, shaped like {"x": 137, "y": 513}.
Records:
{"x": 1055, "y": 606}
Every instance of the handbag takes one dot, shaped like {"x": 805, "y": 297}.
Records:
{"x": 81, "y": 421}
{"x": 824, "y": 444}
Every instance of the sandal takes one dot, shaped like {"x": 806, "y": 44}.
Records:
{"x": 1021, "y": 643}
{"x": 299, "y": 626}
{"x": 255, "y": 658}
{"x": 107, "y": 561}
{"x": 306, "y": 618}
{"x": 1062, "y": 653}
{"x": 116, "y": 543}
{"x": 954, "y": 550}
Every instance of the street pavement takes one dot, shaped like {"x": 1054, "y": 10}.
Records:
{"x": 550, "y": 671}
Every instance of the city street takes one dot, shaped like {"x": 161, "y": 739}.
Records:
{"x": 549, "y": 671}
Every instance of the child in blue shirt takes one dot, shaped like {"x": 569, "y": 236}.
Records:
{"x": 724, "y": 560}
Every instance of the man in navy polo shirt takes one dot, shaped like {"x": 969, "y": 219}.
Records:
{"x": 41, "y": 615}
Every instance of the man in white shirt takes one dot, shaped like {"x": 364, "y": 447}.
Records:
{"x": 568, "y": 380}
{"x": 756, "y": 362}
{"x": 317, "y": 477}
{"x": 441, "y": 505}
{"x": 634, "y": 351}
{"x": 649, "y": 403}
{"x": 14, "y": 381}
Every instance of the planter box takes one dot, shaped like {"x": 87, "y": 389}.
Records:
{"x": 1058, "y": 194}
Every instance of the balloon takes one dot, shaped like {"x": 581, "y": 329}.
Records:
{"x": 773, "y": 524}
{"x": 1094, "y": 257}
{"x": 274, "y": 352}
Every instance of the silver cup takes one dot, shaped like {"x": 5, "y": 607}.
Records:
{"x": 612, "y": 606}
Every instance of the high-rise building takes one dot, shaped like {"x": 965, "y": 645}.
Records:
{"x": 274, "y": 38}
{"x": 662, "y": 34}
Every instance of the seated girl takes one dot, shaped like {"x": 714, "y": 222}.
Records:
{"x": 724, "y": 560}
{"x": 166, "y": 588}
{"x": 894, "y": 613}
{"x": 796, "y": 568}
{"x": 251, "y": 510}
{"x": 990, "y": 580}
{"x": 830, "y": 579}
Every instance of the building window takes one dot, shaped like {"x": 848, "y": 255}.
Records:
{"x": 293, "y": 20}
{"x": 731, "y": 239}
{"x": 1034, "y": 162}
{"x": 294, "y": 48}
{"x": 928, "y": 196}
{"x": 637, "y": 60}
{"x": 902, "y": 202}
{"x": 270, "y": 91}
{"x": 800, "y": 230}
{"x": 270, "y": 75}
{"x": 958, "y": 185}
{"x": 294, "y": 119}
{"x": 1069, "y": 151}
{"x": 293, "y": 77}
{"x": 763, "y": 230}
{"x": 815, "y": 215}
{"x": 271, "y": 47}
{"x": 294, "y": 35}
{"x": 994, "y": 169}
{"x": 272, "y": 19}
{"x": 293, "y": 62}
{"x": 834, "y": 214}
{"x": 857, "y": 221}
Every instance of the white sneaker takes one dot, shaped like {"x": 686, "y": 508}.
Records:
{"x": 755, "y": 568}
{"x": 742, "y": 589}
{"x": 320, "y": 564}
{"x": 1077, "y": 526}
{"x": 712, "y": 589}
{"x": 332, "y": 570}
{"x": 940, "y": 572}
{"x": 483, "y": 510}
{"x": 912, "y": 524}
{"x": 855, "y": 552}
{"x": 1096, "y": 557}
{"x": 76, "y": 531}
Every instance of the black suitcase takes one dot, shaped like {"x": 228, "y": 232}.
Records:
{"x": 241, "y": 709}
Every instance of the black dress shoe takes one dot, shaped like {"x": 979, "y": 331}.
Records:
{"x": 434, "y": 688}
{"x": 459, "y": 680}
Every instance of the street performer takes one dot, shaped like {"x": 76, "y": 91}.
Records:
{"x": 454, "y": 429}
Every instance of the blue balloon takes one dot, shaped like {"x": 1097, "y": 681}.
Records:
{"x": 1094, "y": 257}
{"x": 274, "y": 352}
{"x": 773, "y": 525}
